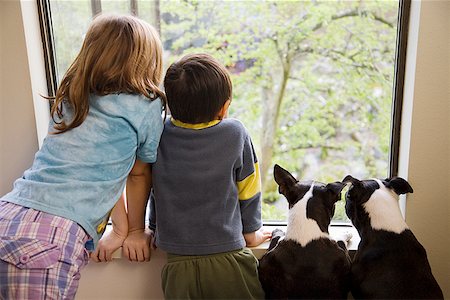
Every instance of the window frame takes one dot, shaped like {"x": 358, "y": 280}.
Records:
{"x": 46, "y": 28}
{"x": 48, "y": 44}
{"x": 398, "y": 84}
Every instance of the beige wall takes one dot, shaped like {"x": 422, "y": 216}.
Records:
{"x": 18, "y": 139}
{"x": 123, "y": 280}
{"x": 427, "y": 210}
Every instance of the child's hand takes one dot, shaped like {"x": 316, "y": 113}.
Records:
{"x": 136, "y": 246}
{"x": 110, "y": 242}
{"x": 256, "y": 238}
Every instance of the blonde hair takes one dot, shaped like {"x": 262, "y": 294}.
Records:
{"x": 120, "y": 54}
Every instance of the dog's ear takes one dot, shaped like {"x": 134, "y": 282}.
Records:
{"x": 399, "y": 185}
{"x": 352, "y": 180}
{"x": 335, "y": 189}
{"x": 283, "y": 177}
{"x": 286, "y": 184}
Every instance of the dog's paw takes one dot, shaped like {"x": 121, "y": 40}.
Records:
{"x": 277, "y": 236}
{"x": 343, "y": 237}
{"x": 278, "y": 233}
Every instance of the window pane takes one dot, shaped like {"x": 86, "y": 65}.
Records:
{"x": 312, "y": 80}
{"x": 116, "y": 6}
{"x": 70, "y": 21}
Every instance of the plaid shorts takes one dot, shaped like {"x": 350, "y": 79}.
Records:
{"x": 41, "y": 255}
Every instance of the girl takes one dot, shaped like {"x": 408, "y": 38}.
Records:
{"x": 104, "y": 134}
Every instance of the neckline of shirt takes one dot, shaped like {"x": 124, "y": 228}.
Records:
{"x": 196, "y": 126}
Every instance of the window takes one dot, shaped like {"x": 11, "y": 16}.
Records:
{"x": 313, "y": 80}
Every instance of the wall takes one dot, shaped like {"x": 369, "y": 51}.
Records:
{"x": 122, "y": 279}
{"x": 18, "y": 139}
{"x": 428, "y": 169}
{"x": 426, "y": 141}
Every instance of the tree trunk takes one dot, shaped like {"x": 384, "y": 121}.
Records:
{"x": 134, "y": 8}
{"x": 96, "y": 7}
{"x": 157, "y": 16}
{"x": 270, "y": 123}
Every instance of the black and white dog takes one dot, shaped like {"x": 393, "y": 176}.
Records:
{"x": 390, "y": 263}
{"x": 306, "y": 263}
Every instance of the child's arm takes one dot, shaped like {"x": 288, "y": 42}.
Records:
{"x": 249, "y": 189}
{"x": 255, "y": 238}
{"x": 113, "y": 240}
{"x": 137, "y": 244}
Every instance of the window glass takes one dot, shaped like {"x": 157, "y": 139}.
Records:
{"x": 70, "y": 21}
{"x": 117, "y": 6}
{"x": 312, "y": 79}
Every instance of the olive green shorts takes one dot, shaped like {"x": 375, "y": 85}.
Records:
{"x": 229, "y": 275}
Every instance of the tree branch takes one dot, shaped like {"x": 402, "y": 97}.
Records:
{"x": 280, "y": 53}
{"x": 356, "y": 13}
{"x": 311, "y": 146}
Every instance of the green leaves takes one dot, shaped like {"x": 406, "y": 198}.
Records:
{"x": 337, "y": 61}
{"x": 320, "y": 72}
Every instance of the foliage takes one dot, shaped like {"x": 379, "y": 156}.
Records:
{"x": 312, "y": 80}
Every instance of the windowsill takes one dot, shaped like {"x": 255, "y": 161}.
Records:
{"x": 143, "y": 280}
{"x": 335, "y": 230}
{"x": 122, "y": 279}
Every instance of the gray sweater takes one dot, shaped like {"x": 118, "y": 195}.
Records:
{"x": 206, "y": 188}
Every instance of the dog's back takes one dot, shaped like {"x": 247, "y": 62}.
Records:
{"x": 319, "y": 270}
{"x": 390, "y": 263}
{"x": 307, "y": 263}
{"x": 393, "y": 266}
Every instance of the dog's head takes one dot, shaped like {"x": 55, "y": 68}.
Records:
{"x": 374, "y": 202}
{"x": 320, "y": 197}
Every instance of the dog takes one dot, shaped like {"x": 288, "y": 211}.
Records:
{"x": 390, "y": 263}
{"x": 307, "y": 263}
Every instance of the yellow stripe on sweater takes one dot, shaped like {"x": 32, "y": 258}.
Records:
{"x": 250, "y": 186}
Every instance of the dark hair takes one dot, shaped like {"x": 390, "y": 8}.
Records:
{"x": 197, "y": 86}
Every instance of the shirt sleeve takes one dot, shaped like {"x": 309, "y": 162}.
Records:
{"x": 150, "y": 133}
{"x": 249, "y": 188}
{"x": 152, "y": 212}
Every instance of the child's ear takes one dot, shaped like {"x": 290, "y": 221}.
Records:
{"x": 223, "y": 112}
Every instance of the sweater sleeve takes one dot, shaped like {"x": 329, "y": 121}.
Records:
{"x": 150, "y": 133}
{"x": 249, "y": 188}
{"x": 152, "y": 212}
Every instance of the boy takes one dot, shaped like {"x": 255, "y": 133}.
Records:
{"x": 206, "y": 188}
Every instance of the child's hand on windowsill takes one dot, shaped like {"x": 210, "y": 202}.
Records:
{"x": 136, "y": 246}
{"x": 256, "y": 238}
{"x": 108, "y": 244}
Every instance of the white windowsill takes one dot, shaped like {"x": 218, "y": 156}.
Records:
{"x": 335, "y": 231}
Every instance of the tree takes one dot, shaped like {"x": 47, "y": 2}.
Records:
{"x": 312, "y": 80}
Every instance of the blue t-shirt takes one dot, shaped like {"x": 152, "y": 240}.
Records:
{"x": 80, "y": 174}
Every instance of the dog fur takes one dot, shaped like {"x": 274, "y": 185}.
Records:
{"x": 306, "y": 264}
{"x": 390, "y": 263}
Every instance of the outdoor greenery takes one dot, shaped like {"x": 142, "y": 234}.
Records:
{"x": 312, "y": 80}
